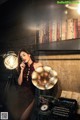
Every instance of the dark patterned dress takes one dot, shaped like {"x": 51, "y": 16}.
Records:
{"x": 19, "y": 97}
{"x": 26, "y": 90}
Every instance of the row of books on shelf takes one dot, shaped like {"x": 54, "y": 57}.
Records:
{"x": 59, "y": 30}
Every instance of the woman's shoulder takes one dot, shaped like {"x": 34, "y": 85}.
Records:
{"x": 37, "y": 64}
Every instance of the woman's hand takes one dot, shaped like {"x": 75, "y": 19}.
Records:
{"x": 22, "y": 66}
{"x": 20, "y": 79}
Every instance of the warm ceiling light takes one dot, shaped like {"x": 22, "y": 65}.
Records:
{"x": 70, "y": 7}
{"x": 78, "y": 9}
{"x": 73, "y": 7}
{"x": 66, "y": 12}
{"x": 10, "y": 60}
{"x": 66, "y": 5}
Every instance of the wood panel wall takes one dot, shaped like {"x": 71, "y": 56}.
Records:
{"x": 68, "y": 69}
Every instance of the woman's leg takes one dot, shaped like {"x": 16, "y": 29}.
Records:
{"x": 26, "y": 114}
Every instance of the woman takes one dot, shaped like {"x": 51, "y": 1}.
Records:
{"x": 26, "y": 65}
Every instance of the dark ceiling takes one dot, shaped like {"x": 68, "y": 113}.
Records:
{"x": 17, "y": 16}
{"x": 3, "y": 1}
{"x": 13, "y": 11}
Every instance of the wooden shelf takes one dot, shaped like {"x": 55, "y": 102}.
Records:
{"x": 60, "y": 47}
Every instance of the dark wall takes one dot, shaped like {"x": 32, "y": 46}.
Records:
{"x": 18, "y": 20}
{"x": 15, "y": 18}
{"x": 16, "y": 38}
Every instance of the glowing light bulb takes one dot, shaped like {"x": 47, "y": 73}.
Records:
{"x": 78, "y": 9}
{"x": 66, "y": 5}
{"x": 66, "y": 12}
{"x": 11, "y": 61}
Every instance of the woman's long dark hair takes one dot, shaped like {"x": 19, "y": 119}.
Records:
{"x": 20, "y": 60}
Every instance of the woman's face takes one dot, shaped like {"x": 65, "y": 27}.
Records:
{"x": 24, "y": 56}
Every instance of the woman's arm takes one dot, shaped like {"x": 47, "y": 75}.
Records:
{"x": 20, "y": 78}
